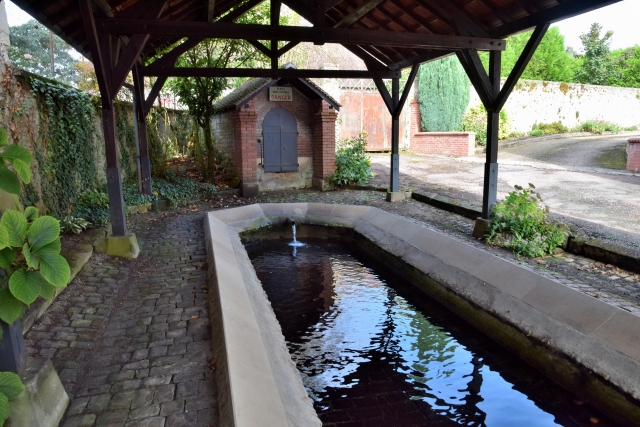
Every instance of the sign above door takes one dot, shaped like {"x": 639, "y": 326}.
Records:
{"x": 281, "y": 93}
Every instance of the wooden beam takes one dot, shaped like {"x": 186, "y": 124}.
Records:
{"x": 456, "y": 16}
{"x": 269, "y": 73}
{"x": 419, "y": 59}
{"x": 169, "y": 58}
{"x": 262, "y": 48}
{"x": 286, "y": 48}
{"x": 384, "y": 92}
{"x": 303, "y": 34}
{"x": 406, "y": 90}
{"x": 479, "y": 79}
{"x": 549, "y": 16}
{"x": 358, "y": 13}
{"x": 100, "y": 67}
{"x": 521, "y": 65}
{"x": 239, "y": 11}
{"x": 153, "y": 94}
{"x": 209, "y": 6}
{"x": 371, "y": 62}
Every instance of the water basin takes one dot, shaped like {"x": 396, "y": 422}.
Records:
{"x": 374, "y": 351}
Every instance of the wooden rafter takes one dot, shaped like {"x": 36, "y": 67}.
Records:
{"x": 269, "y": 73}
{"x": 358, "y": 13}
{"x": 304, "y": 34}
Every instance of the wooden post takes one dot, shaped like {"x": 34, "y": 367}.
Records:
{"x": 394, "y": 185}
{"x": 490, "y": 188}
{"x": 114, "y": 177}
{"x": 140, "y": 116}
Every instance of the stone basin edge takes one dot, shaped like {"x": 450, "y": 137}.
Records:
{"x": 587, "y": 345}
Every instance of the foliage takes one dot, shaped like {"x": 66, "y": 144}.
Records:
{"x": 19, "y": 158}
{"x": 597, "y": 67}
{"x": 87, "y": 80}
{"x": 73, "y": 224}
{"x": 598, "y": 127}
{"x": 126, "y": 137}
{"x": 182, "y": 191}
{"x": 133, "y": 197}
{"x": 626, "y": 63}
{"x": 68, "y": 133}
{"x": 549, "y": 62}
{"x": 10, "y": 388}
{"x": 549, "y": 128}
{"x": 93, "y": 206}
{"x": 475, "y": 120}
{"x": 353, "y": 165}
{"x": 30, "y": 51}
{"x": 30, "y": 257}
{"x": 443, "y": 94}
{"x": 521, "y": 223}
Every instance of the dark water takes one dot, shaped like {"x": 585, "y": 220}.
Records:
{"x": 372, "y": 351}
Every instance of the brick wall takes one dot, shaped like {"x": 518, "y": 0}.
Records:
{"x": 633, "y": 155}
{"x": 445, "y": 143}
{"x": 324, "y": 148}
{"x": 245, "y": 152}
{"x": 222, "y": 128}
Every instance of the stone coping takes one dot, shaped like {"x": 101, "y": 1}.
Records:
{"x": 588, "y": 345}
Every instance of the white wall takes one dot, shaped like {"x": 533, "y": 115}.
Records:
{"x": 545, "y": 102}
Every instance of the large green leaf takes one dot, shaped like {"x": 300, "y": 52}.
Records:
{"x": 15, "y": 152}
{"x": 4, "y": 408}
{"x": 22, "y": 170}
{"x": 25, "y": 285}
{"x": 10, "y": 308}
{"x": 52, "y": 248}
{"x": 43, "y": 231}
{"x": 15, "y": 225}
{"x": 46, "y": 289}
{"x": 4, "y": 138}
{"x": 10, "y": 385}
{"x": 4, "y": 238}
{"x": 55, "y": 269}
{"x": 7, "y": 256}
{"x": 31, "y": 213}
{"x": 9, "y": 182}
{"x": 32, "y": 260}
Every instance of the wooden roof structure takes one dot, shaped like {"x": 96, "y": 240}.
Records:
{"x": 123, "y": 36}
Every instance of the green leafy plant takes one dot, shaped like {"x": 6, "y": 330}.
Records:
{"x": 10, "y": 388}
{"x": 353, "y": 164}
{"x": 549, "y": 128}
{"x": 475, "y": 120}
{"x": 520, "y": 223}
{"x": 181, "y": 191}
{"x": 93, "y": 206}
{"x": 19, "y": 158}
{"x": 599, "y": 127}
{"x": 73, "y": 224}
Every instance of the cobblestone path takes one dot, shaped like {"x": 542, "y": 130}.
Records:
{"x": 130, "y": 338}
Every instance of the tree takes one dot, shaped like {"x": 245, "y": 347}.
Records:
{"x": 443, "y": 94}
{"x": 626, "y": 64}
{"x": 551, "y": 61}
{"x": 200, "y": 93}
{"x": 30, "y": 51}
{"x": 597, "y": 67}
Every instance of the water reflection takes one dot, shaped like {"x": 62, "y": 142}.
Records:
{"x": 361, "y": 346}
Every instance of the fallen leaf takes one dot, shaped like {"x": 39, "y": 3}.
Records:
{"x": 194, "y": 317}
{"x": 594, "y": 420}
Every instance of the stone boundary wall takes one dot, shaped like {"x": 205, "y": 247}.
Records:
{"x": 633, "y": 154}
{"x": 534, "y": 101}
{"x": 445, "y": 143}
{"x": 20, "y": 116}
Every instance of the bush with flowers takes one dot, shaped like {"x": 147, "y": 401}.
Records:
{"x": 521, "y": 223}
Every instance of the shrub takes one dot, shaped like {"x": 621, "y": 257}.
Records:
{"x": 598, "y": 127}
{"x": 443, "y": 94}
{"x": 352, "y": 162}
{"x": 475, "y": 120}
{"x": 73, "y": 224}
{"x": 180, "y": 191}
{"x": 553, "y": 128}
{"x": 93, "y": 206}
{"x": 521, "y": 223}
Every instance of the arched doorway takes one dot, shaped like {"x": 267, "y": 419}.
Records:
{"x": 280, "y": 132}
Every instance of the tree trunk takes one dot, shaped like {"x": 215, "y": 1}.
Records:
{"x": 208, "y": 139}
{"x": 197, "y": 148}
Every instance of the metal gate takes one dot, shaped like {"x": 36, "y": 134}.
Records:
{"x": 280, "y": 132}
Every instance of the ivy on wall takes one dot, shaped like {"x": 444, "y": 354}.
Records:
{"x": 67, "y": 134}
{"x": 125, "y": 134}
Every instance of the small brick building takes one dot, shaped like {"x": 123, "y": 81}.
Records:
{"x": 280, "y": 134}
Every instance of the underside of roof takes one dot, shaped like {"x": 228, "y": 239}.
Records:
{"x": 494, "y": 19}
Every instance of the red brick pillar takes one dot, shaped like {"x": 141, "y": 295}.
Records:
{"x": 246, "y": 148}
{"x": 415, "y": 123}
{"x": 633, "y": 155}
{"x": 324, "y": 144}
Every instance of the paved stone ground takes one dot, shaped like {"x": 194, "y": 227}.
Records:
{"x": 130, "y": 339}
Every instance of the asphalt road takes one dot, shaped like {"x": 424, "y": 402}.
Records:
{"x": 567, "y": 173}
